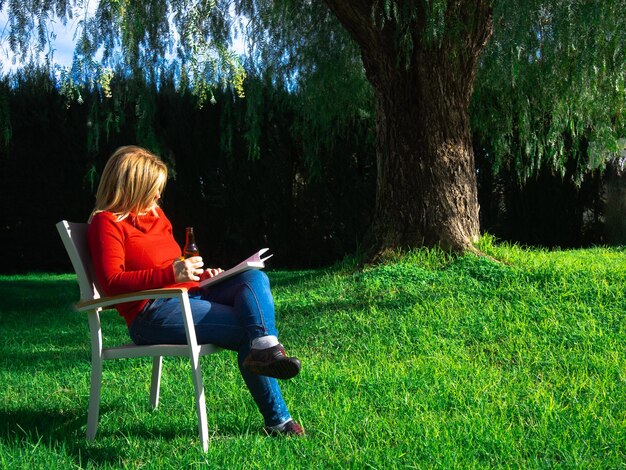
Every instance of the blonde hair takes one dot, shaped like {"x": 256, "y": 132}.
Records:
{"x": 132, "y": 181}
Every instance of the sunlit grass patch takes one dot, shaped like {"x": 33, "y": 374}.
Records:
{"x": 427, "y": 360}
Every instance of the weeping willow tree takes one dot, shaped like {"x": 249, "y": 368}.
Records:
{"x": 549, "y": 72}
{"x": 551, "y": 88}
{"x": 143, "y": 38}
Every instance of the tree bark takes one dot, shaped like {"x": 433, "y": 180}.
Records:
{"x": 426, "y": 191}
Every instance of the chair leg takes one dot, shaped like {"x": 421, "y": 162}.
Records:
{"x": 157, "y": 366}
{"x": 94, "y": 399}
{"x": 200, "y": 400}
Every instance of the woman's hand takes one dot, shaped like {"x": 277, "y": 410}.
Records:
{"x": 189, "y": 269}
{"x": 210, "y": 272}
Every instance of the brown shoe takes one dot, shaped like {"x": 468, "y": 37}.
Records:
{"x": 272, "y": 362}
{"x": 290, "y": 428}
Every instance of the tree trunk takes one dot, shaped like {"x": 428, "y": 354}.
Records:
{"x": 426, "y": 191}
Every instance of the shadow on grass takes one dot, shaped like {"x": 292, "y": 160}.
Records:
{"x": 37, "y": 295}
{"x": 64, "y": 431}
{"x": 56, "y": 430}
{"x": 41, "y": 331}
{"x": 31, "y": 425}
{"x": 284, "y": 279}
{"x": 38, "y": 324}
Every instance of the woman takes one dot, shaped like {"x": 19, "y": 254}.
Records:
{"x": 132, "y": 247}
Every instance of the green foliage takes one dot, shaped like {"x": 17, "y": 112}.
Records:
{"x": 5, "y": 114}
{"x": 301, "y": 47}
{"x": 135, "y": 36}
{"x": 550, "y": 90}
{"x": 417, "y": 24}
{"x": 429, "y": 360}
{"x": 28, "y": 32}
{"x": 551, "y": 86}
{"x": 206, "y": 59}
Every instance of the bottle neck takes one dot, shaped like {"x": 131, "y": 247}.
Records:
{"x": 190, "y": 237}
{"x": 191, "y": 249}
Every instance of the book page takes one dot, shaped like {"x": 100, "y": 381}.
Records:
{"x": 255, "y": 261}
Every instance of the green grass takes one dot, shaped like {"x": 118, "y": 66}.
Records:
{"x": 430, "y": 360}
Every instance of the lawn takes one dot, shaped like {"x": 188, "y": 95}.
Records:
{"x": 427, "y": 360}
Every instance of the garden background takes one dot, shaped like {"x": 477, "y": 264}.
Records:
{"x": 425, "y": 358}
{"x": 311, "y": 204}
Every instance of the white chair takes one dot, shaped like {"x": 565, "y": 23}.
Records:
{"x": 74, "y": 236}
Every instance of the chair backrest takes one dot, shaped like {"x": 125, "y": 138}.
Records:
{"x": 74, "y": 236}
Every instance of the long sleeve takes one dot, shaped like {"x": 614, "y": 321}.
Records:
{"x": 133, "y": 254}
{"x": 108, "y": 251}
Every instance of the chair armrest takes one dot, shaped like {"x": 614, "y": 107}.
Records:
{"x": 129, "y": 297}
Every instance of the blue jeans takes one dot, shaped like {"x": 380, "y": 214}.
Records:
{"x": 230, "y": 315}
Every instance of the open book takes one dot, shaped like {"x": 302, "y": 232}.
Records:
{"x": 253, "y": 262}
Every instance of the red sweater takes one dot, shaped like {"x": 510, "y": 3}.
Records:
{"x": 133, "y": 254}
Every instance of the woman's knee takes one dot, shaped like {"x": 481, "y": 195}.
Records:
{"x": 255, "y": 276}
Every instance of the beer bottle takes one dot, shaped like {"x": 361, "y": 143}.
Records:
{"x": 191, "y": 249}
